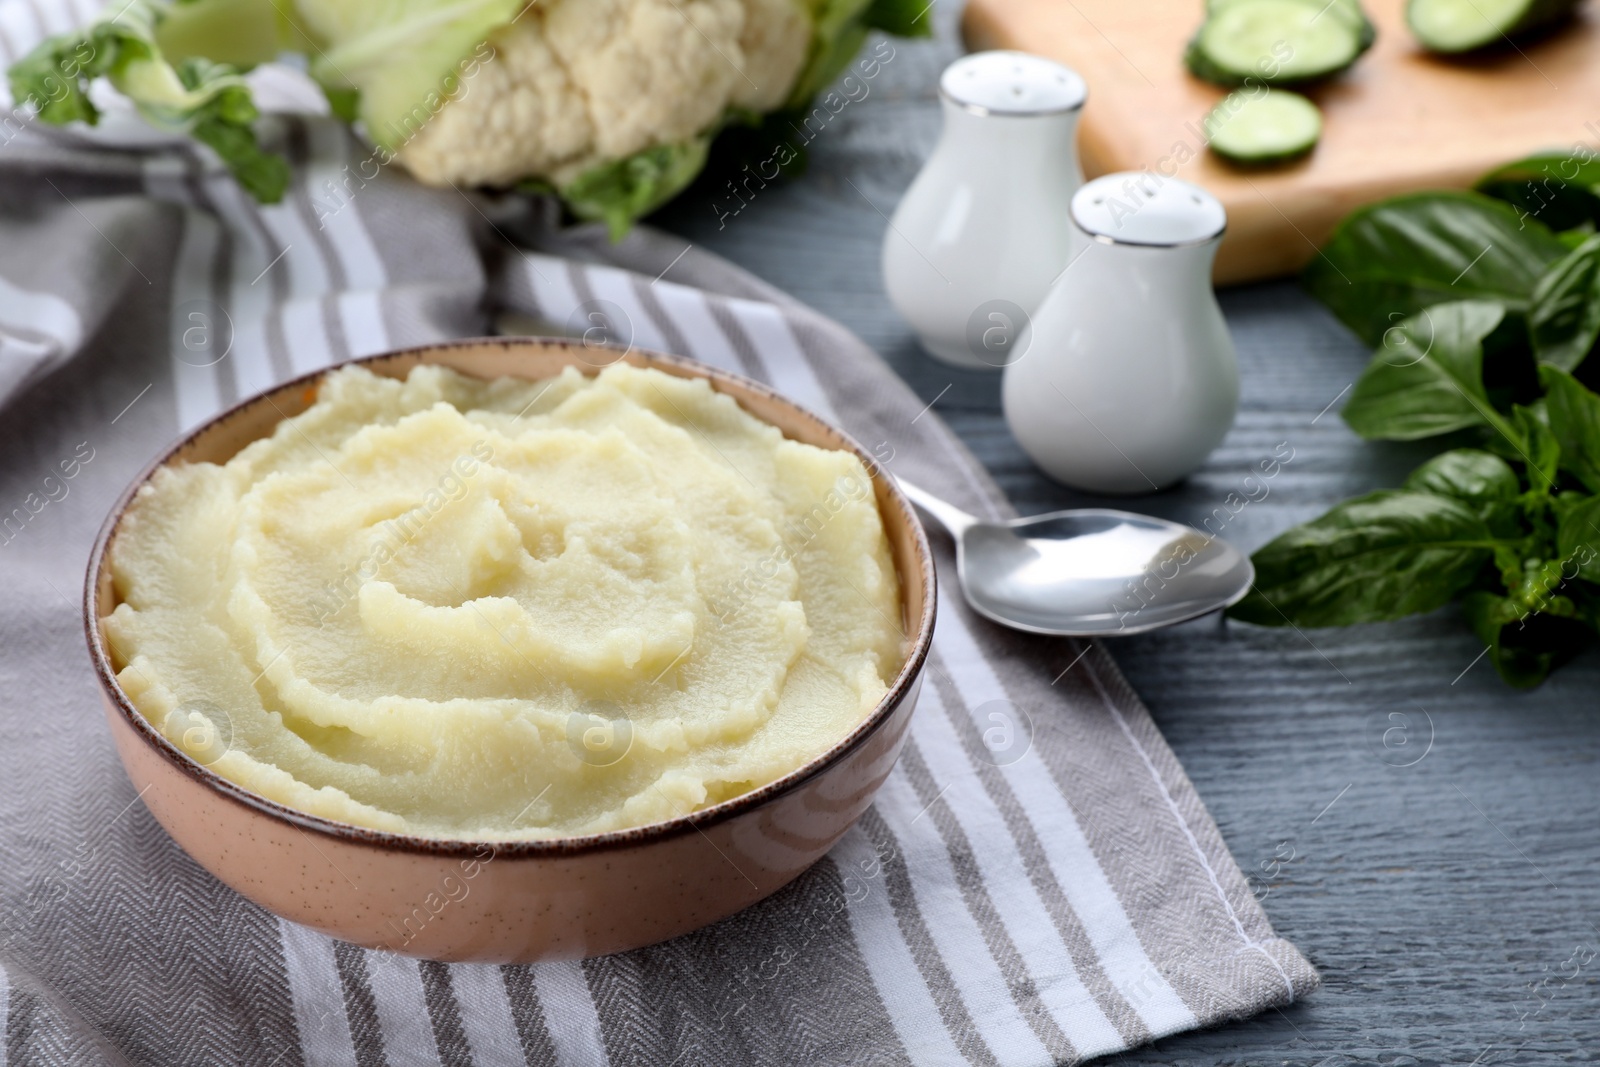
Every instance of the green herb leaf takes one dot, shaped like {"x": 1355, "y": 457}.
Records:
{"x": 1574, "y": 237}
{"x": 1481, "y": 480}
{"x": 1469, "y": 474}
{"x": 1427, "y": 376}
{"x": 1559, "y": 189}
{"x": 1578, "y": 535}
{"x": 1525, "y": 646}
{"x": 1390, "y": 260}
{"x": 1533, "y": 444}
{"x": 1574, "y": 414}
{"x": 1475, "y": 308}
{"x": 1381, "y": 556}
{"x": 1587, "y": 600}
{"x": 1564, "y": 311}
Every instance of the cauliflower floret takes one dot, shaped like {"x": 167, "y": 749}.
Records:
{"x": 654, "y": 71}
{"x": 517, "y": 115}
{"x": 775, "y": 40}
{"x": 575, "y": 83}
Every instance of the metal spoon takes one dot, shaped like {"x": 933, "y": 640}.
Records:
{"x": 1092, "y": 572}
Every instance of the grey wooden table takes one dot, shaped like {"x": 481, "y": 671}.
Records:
{"x": 1427, "y": 836}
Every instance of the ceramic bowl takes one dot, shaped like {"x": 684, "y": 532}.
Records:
{"x": 552, "y": 899}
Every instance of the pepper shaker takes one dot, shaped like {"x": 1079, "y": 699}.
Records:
{"x": 983, "y": 228}
{"x": 1128, "y": 377}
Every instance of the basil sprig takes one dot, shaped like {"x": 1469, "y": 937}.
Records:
{"x": 1483, "y": 309}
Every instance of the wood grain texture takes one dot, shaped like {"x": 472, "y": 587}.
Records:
{"x": 1399, "y": 120}
{"x": 1433, "y": 896}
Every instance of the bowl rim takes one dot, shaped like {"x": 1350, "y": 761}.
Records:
{"x": 697, "y": 821}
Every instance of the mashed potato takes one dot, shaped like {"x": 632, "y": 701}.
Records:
{"x": 497, "y": 610}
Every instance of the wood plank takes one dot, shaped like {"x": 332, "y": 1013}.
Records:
{"x": 1399, "y": 120}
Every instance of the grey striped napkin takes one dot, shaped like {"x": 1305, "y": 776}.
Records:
{"x": 1038, "y": 881}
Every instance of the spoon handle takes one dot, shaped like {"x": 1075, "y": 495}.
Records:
{"x": 950, "y": 517}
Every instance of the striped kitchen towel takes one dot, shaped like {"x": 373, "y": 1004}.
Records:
{"x": 1037, "y": 883}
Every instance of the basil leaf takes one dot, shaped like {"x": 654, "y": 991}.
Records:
{"x": 1391, "y": 259}
{"x": 1468, "y": 474}
{"x": 1524, "y": 647}
{"x": 1588, "y": 605}
{"x": 1578, "y": 535}
{"x": 1427, "y": 376}
{"x": 1381, "y": 556}
{"x": 1574, "y": 237}
{"x": 1557, "y": 188}
{"x": 1574, "y": 414}
{"x": 1481, "y": 480}
{"x": 1530, "y": 442}
{"x": 1536, "y": 445}
{"x": 1564, "y": 311}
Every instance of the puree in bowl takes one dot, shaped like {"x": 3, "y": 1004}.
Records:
{"x": 501, "y": 609}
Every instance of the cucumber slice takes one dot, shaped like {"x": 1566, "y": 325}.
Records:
{"x": 1273, "y": 41}
{"x": 1450, "y": 26}
{"x": 1263, "y": 126}
{"x": 1349, "y": 11}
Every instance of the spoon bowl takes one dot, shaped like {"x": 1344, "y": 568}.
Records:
{"x": 1090, "y": 572}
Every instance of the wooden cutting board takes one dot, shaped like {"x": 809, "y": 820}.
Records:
{"x": 1399, "y": 120}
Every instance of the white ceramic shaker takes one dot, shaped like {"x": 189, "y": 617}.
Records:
{"x": 983, "y": 229}
{"x": 1127, "y": 377}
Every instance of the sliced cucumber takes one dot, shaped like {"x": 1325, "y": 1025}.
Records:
{"x": 1464, "y": 25}
{"x": 1274, "y": 41}
{"x": 1349, "y": 11}
{"x": 1263, "y": 126}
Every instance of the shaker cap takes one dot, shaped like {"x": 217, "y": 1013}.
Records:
{"x": 1012, "y": 83}
{"x": 1141, "y": 208}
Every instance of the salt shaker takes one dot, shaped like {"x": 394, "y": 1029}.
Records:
{"x": 983, "y": 229}
{"x": 1127, "y": 378}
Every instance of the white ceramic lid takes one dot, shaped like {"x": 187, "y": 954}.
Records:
{"x": 1140, "y": 208}
{"x": 1012, "y": 83}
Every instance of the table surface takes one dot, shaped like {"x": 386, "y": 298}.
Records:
{"x": 1424, "y": 834}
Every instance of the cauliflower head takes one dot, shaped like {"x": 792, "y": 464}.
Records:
{"x": 610, "y": 103}
{"x": 578, "y": 83}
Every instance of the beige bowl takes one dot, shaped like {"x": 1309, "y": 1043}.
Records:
{"x": 533, "y": 900}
